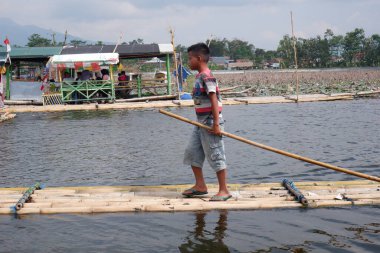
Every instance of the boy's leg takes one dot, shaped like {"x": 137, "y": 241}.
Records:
{"x": 194, "y": 156}
{"x": 222, "y": 175}
{"x": 200, "y": 184}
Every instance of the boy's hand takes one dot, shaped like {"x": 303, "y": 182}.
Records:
{"x": 215, "y": 114}
{"x": 216, "y": 130}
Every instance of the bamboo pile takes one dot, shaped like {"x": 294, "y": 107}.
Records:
{"x": 104, "y": 199}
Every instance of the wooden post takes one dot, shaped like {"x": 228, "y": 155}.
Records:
{"x": 8, "y": 81}
{"x": 175, "y": 62}
{"x": 168, "y": 76}
{"x": 295, "y": 55}
{"x": 139, "y": 86}
{"x": 112, "y": 83}
{"x": 60, "y": 81}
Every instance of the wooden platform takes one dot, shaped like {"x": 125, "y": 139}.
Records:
{"x": 103, "y": 199}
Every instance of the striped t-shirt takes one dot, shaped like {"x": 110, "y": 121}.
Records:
{"x": 205, "y": 83}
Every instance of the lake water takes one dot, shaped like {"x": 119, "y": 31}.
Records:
{"x": 146, "y": 148}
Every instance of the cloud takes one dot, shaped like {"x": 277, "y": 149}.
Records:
{"x": 262, "y": 23}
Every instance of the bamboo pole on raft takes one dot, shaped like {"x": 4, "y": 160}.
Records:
{"x": 278, "y": 151}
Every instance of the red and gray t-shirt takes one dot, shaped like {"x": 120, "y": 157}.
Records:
{"x": 205, "y": 83}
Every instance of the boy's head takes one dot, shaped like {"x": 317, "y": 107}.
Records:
{"x": 198, "y": 54}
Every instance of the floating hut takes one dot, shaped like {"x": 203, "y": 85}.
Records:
{"x": 25, "y": 72}
{"x": 168, "y": 198}
{"x": 108, "y": 57}
{"x": 32, "y": 77}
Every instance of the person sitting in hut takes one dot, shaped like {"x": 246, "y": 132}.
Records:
{"x": 86, "y": 75}
{"x": 123, "y": 78}
{"x": 79, "y": 73}
{"x": 105, "y": 74}
{"x": 98, "y": 76}
{"x": 67, "y": 77}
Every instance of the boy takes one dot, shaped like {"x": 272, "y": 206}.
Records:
{"x": 203, "y": 143}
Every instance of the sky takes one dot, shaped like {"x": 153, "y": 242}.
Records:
{"x": 260, "y": 22}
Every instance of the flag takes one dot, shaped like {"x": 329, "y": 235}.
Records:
{"x": 78, "y": 65}
{"x": 95, "y": 66}
{"x": 6, "y": 42}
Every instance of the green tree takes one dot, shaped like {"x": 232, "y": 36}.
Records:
{"x": 335, "y": 44}
{"x": 314, "y": 52}
{"x": 259, "y": 56}
{"x": 238, "y": 49}
{"x": 77, "y": 42}
{"x": 353, "y": 44}
{"x": 285, "y": 50}
{"x": 137, "y": 41}
{"x": 372, "y": 50}
{"x": 35, "y": 40}
{"x": 218, "y": 47}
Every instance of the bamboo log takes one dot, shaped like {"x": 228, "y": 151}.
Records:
{"x": 24, "y": 102}
{"x": 239, "y": 92}
{"x": 162, "y": 97}
{"x": 230, "y": 88}
{"x": 6, "y": 116}
{"x": 305, "y": 159}
{"x": 329, "y": 203}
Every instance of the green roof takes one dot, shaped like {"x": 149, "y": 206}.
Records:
{"x": 32, "y": 52}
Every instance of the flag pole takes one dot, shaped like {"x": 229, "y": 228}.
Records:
{"x": 118, "y": 42}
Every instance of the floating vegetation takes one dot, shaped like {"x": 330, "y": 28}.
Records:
{"x": 283, "y": 82}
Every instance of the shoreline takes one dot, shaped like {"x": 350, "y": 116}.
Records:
{"x": 187, "y": 103}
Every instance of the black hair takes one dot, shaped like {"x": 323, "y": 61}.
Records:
{"x": 200, "y": 49}
{"x": 104, "y": 72}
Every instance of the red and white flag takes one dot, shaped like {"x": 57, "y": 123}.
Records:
{"x": 6, "y": 42}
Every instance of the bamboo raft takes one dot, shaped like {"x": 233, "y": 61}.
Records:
{"x": 6, "y": 116}
{"x": 148, "y": 102}
{"x": 168, "y": 198}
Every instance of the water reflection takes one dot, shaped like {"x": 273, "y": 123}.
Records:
{"x": 202, "y": 240}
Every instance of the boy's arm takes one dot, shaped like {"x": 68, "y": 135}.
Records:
{"x": 215, "y": 113}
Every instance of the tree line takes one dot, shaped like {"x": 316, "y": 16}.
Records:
{"x": 353, "y": 49}
{"x": 36, "y": 40}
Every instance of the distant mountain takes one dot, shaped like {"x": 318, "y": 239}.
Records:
{"x": 18, "y": 34}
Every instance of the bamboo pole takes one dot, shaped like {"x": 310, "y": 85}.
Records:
{"x": 175, "y": 61}
{"x": 278, "y": 151}
{"x": 295, "y": 56}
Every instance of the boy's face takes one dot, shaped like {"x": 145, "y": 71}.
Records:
{"x": 194, "y": 61}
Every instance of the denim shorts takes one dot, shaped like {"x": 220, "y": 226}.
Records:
{"x": 206, "y": 145}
